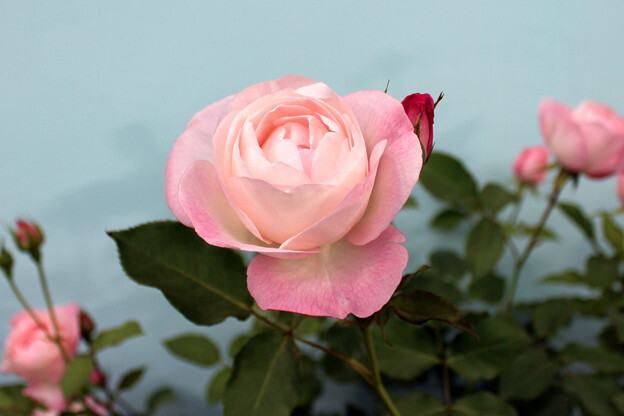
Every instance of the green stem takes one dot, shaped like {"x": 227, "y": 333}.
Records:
{"x": 50, "y": 305}
{"x": 113, "y": 399}
{"x": 359, "y": 368}
{"x": 446, "y": 380}
{"x": 22, "y": 300}
{"x": 519, "y": 264}
{"x": 377, "y": 383}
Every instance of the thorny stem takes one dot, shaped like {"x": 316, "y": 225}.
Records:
{"x": 552, "y": 200}
{"x": 50, "y": 305}
{"x": 377, "y": 383}
{"x": 359, "y": 368}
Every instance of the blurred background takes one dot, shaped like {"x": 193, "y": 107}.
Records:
{"x": 93, "y": 94}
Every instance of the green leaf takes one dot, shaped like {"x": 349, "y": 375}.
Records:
{"x": 550, "y": 316}
{"x": 216, "y": 388}
{"x": 117, "y": 335}
{"x": 405, "y": 351}
{"x": 570, "y": 277}
{"x": 448, "y": 262}
{"x": 553, "y": 403}
{"x": 482, "y": 404}
{"x": 345, "y": 339}
{"x": 433, "y": 281}
{"x": 494, "y": 197}
{"x": 264, "y": 378}
{"x": 448, "y": 218}
{"x": 574, "y": 213}
{"x": 309, "y": 386}
{"x": 237, "y": 343}
{"x": 76, "y": 376}
{"x": 498, "y": 346}
{"x": 489, "y": 288}
{"x": 484, "y": 246}
{"x": 528, "y": 377}
{"x": 618, "y": 401}
{"x": 205, "y": 283}
{"x": 159, "y": 398}
{"x": 130, "y": 378}
{"x": 612, "y": 232}
{"x": 447, "y": 179}
{"x": 194, "y": 348}
{"x": 420, "y": 404}
{"x": 13, "y": 402}
{"x": 421, "y": 306}
{"x": 593, "y": 392}
{"x": 601, "y": 271}
{"x": 600, "y": 358}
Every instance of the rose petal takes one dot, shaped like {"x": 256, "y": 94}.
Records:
{"x": 47, "y": 394}
{"x": 214, "y": 219}
{"x": 350, "y": 210}
{"x": 343, "y": 279}
{"x": 382, "y": 117}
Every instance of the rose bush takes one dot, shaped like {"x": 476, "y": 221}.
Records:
{"x": 33, "y": 355}
{"x": 310, "y": 181}
{"x": 588, "y": 139}
{"x": 530, "y": 165}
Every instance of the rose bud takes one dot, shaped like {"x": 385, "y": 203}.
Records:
{"x": 419, "y": 108}
{"x": 6, "y": 262}
{"x": 28, "y": 236}
{"x": 588, "y": 139}
{"x": 531, "y": 164}
{"x": 86, "y": 325}
{"x": 97, "y": 377}
{"x": 620, "y": 187}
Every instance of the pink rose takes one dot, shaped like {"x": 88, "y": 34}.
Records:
{"x": 419, "y": 108}
{"x": 588, "y": 139}
{"x": 531, "y": 164}
{"x": 620, "y": 187}
{"x": 32, "y": 355}
{"x": 309, "y": 180}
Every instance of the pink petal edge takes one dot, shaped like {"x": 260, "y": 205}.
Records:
{"x": 343, "y": 279}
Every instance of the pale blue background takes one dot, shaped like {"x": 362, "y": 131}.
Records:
{"x": 93, "y": 94}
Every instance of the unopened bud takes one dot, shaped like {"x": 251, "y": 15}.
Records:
{"x": 97, "y": 377}
{"x": 86, "y": 325}
{"x": 6, "y": 262}
{"x": 28, "y": 236}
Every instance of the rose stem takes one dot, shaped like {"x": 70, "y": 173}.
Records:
{"x": 48, "y": 300}
{"x": 377, "y": 383}
{"x": 560, "y": 181}
{"x": 22, "y": 300}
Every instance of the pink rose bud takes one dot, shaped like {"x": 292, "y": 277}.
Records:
{"x": 28, "y": 236}
{"x": 620, "y": 187}
{"x": 86, "y": 325}
{"x": 531, "y": 164}
{"x": 588, "y": 139}
{"x": 419, "y": 109}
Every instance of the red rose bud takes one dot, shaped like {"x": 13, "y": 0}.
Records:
{"x": 419, "y": 109}
{"x": 97, "y": 377}
{"x": 6, "y": 262}
{"x": 86, "y": 325}
{"x": 28, "y": 236}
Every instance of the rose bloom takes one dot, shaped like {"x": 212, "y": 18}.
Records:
{"x": 30, "y": 354}
{"x": 309, "y": 180}
{"x": 531, "y": 164}
{"x": 420, "y": 109}
{"x": 588, "y": 139}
